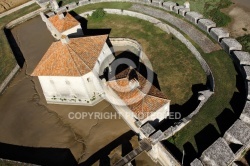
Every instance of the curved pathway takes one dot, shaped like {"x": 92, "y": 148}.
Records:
{"x": 197, "y": 36}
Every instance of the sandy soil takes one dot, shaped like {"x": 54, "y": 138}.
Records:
{"x": 239, "y": 12}
{"x": 26, "y": 119}
{"x": 9, "y": 4}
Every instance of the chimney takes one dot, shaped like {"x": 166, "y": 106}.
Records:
{"x": 65, "y": 39}
{"x": 61, "y": 15}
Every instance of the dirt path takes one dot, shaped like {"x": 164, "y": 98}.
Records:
{"x": 240, "y": 14}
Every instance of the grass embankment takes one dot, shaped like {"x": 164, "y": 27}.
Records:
{"x": 111, "y": 5}
{"x": 7, "y": 59}
{"x": 210, "y": 9}
{"x": 245, "y": 41}
{"x": 210, "y": 122}
{"x": 176, "y": 67}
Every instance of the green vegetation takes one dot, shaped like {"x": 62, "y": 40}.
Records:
{"x": 98, "y": 14}
{"x": 7, "y": 60}
{"x": 245, "y": 41}
{"x": 111, "y": 5}
{"x": 225, "y": 86}
{"x": 176, "y": 67}
{"x": 210, "y": 9}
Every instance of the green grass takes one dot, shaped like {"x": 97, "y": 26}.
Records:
{"x": 176, "y": 67}
{"x": 245, "y": 41}
{"x": 7, "y": 60}
{"x": 111, "y": 5}
{"x": 225, "y": 86}
{"x": 210, "y": 9}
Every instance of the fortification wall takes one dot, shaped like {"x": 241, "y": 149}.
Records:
{"x": 10, "y": 25}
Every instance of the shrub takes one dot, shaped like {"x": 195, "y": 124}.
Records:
{"x": 98, "y": 13}
{"x": 245, "y": 41}
{"x": 213, "y": 12}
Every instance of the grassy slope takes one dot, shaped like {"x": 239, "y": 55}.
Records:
{"x": 176, "y": 67}
{"x": 111, "y": 5}
{"x": 7, "y": 60}
{"x": 224, "y": 74}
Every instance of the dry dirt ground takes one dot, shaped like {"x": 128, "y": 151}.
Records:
{"x": 9, "y": 4}
{"x": 240, "y": 14}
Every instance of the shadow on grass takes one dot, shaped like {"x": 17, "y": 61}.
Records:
{"x": 15, "y": 48}
{"x": 184, "y": 109}
{"x": 239, "y": 98}
{"x": 171, "y": 148}
{"x": 190, "y": 153}
{"x": 39, "y": 156}
{"x": 84, "y": 24}
{"x": 105, "y": 151}
{"x": 225, "y": 120}
{"x": 206, "y": 137}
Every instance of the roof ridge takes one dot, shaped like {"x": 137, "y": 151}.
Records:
{"x": 79, "y": 57}
{"x": 73, "y": 59}
{"x": 156, "y": 97}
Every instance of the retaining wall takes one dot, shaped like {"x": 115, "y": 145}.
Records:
{"x": 10, "y": 25}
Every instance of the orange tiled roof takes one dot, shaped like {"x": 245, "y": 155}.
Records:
{"x": 76, "y": 58}
{"x": 144, "y": 99}
{"x": 65, "y": 23}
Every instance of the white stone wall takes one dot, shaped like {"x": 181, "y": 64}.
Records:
{"x": 121, "y": 108}
{"x": 105, "y": 58}
{"x": 71, "y": 90}
{"x": 159, "y": 154}
{"x": 54, "y": 32}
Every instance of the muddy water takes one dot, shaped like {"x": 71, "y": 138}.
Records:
{"x": 26, "y": 119}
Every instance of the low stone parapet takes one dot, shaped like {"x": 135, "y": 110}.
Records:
{"x": 71, "y": 6}
{"x": 238, "y": 133}
{"x": 169, "y": 5}
{"x": 218, "y": 33}
{"x": 245, "y": 115}
{"x": 246, "y": 72}
{"x": 206, "y": 24}
{"x": 248, "y": 90}
{"x": 183, "y": 11}
{"x": 83, "y": 2}
{"x": 230, "y": 44}
{"x": 193, "y": 17}
{"x": 218, "y": 154}
{"x": 241, "y": 57}
{"x": 177, "y": 8}
{"x": 196, "y": 162}
{"x": 157, "y": 3}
